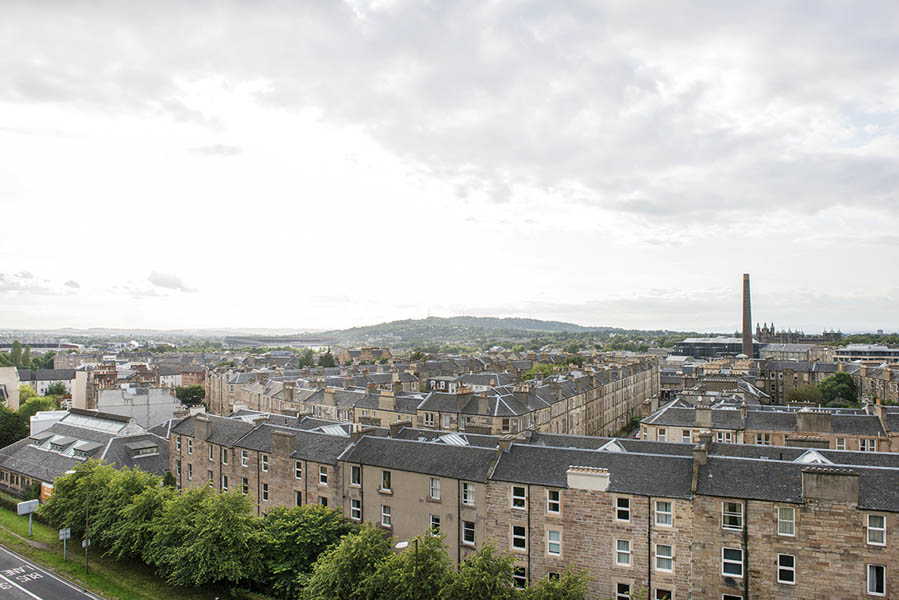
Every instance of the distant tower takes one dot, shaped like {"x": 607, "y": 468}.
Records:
{"x": 747, "y": 318}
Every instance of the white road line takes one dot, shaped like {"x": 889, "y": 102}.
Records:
{"x": 80, "y": 590}
{"x": 13, "y": 583}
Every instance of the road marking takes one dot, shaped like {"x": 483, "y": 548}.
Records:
{"x": 11, "y": 582}
{"x": 80, "y": 590}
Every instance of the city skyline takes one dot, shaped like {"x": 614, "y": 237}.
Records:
{"x": 339, "y": 164}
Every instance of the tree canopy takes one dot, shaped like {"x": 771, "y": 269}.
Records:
{"x": 838, "y": 389}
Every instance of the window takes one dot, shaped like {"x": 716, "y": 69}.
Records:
{"x": 732, "y": 515}
{"x": 732, "y": 562}
{"x": 623, "y": 509}
{"x": 190, "y": 472}
{"x": 468, "y": 532}
{"x": 686, "y": 436}
{"x": 763, "y": 438}
{"x": 323, "y": 475}
{"x": 244, "y": 486}
{"x": 622, "y": 591}
{"x": 323, "y": 501}
{"x": 265, "y": 492}
{"x": 520, "y": 577}
{"x": 190, "y": 446}
{"x": 723, "y": 436}
{"x": 623, "y": 553}
{"x": 554, "y": 542}
{"x": 447, "y": 421}
{"x": 429, "y": 419}
{"x": 385, "y": 515}
{"x": 434, "y": 488}
{"x": 209, "y": 477}
{"x": 553, "y": 501}
{"x": 385, "y": 482}
{"x": 506, "y": 426}
{"x": 178, "y": 443}
{"x": 244, "y": 458}
{"x": 877, "y": 576}
{"x": 841, "y": 443}
{"x": 224, "y": 456}
{"x": 178, "y": 467}
{"x": 468, "y": 494}
{"x": 731, "y": 597}
{"x": 265, "y": 462}
{"x": 664, "y": 558}
{"x": 355, "y": 475}
{"x": 519, "y": 537}
{"x": 663, "y": 594}
{"x": 867, "y": 445}
{"x": 297, "y": 498}
{"x": 662, "y": 435}
{"x": 877, "y": 530}
{"x": 224, "y": 483}
{"x": 297, "y": 469}
{"x": 356, "y": 510}
{"x": 519, "y": 497}
{"x": 435, "y": 524}
{"x": 210, "y": 452}
{"x": 664, "y": 513}
{"x": 786, "y": 520}
{"x": 786, "y": 569}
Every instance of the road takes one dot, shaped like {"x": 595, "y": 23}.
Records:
{"x": 20, "y": 579}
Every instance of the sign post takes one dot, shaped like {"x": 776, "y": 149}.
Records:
{"x": 64, "y": 534}
{"x": 27, "y": 508}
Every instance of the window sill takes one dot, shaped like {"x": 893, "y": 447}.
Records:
{"x": 385, "y": 492}
{"x": 434, "y": 500}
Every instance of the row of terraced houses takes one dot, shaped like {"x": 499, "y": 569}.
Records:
{"x": 681, "y": 520}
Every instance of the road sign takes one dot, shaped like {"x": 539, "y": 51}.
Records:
{"x": 65, "y": 534}
{"x": 85, "y": 543}
{"x": 27, "y": 507}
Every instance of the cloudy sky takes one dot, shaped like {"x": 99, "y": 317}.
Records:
{"x": 327, "y": 164}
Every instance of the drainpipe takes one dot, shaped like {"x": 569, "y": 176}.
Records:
{"x": 458, "y": 522}
{"x": 530, "y": 534}
{"x": 746, "y": 552}
{"x": 649, "y": 543}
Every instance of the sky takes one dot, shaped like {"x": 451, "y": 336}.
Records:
{"x": 326, "y": 164}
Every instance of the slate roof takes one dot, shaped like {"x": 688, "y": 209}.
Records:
{"x": 118, "y": 453}
{"x": 35, "y": 463}
{"x": 440, "y": 460}
{"x": 630, "y": 473}
{"x": 45, "y": 374}
{"x": 222, "y": 430}
{"x": 473, "y": 439}
{"x": 310, "y": 445}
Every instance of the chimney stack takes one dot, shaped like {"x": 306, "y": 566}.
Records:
{"x": 747, "y": 319}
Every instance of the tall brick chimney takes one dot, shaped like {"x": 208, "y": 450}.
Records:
{"x": 747, "y": 319}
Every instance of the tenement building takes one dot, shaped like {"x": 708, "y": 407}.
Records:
{"x": 673, "y": 520}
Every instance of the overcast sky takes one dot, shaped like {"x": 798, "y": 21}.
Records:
{"x": 327, "y": 164}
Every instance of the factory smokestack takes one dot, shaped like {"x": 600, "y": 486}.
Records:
{"x": 747, "y": 319}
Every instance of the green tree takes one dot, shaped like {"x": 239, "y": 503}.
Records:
{"x": 113, "y": 490}
{"x": 15, "y": 354}
{"x": 542, "y": 369}
{"x": 838, "y": 388}
{"x": 343, "y": 572}
{"x": 190, "y": 395}
{"x": 326, "y": 360}
{"x": 417, "y": 355}
{"x": 26, "y": 358}
{"x": 26, "y": 392}
{"x": 168, "y": 480}
{"x": 34, "y": 404}
{"x": 805, "y": 393}
{"x": 134, "y": 528}
{"x": 12, "y": 427}
{"x": 57, "y": 389}
{"x": 572, "y": 348}
{"x": 307, "y": 359}
{"x": 570, "y": 586}
{"x": 486, "y": 575}
{"x": 66, "y": 507}
{"x": 413, "y": 573}
{"x": 577, "y": 361}
{"x": 173, "y": 527}
{"x": 293, "y": 540}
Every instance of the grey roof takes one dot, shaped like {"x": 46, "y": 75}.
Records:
{"x": 222, "y": 430}
{"x": 119, "y": 453}
{"x": 309, "y": 445}
{"x": 630, "y": 473}
{"x": 46, "y": 374}
{"x": 33, "y": 462}
{"x": 423, "y": 435}
{"x": 441, "y": 460}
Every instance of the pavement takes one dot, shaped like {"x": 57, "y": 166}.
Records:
{"x": 20, "y": 579}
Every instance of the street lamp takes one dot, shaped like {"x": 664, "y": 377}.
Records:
{"x": 405, "y": 544}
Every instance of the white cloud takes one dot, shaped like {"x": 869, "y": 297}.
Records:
{"x": 168, "y": 281}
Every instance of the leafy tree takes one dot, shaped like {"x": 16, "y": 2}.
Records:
{"x": 413, "y": 573}
{"x": 134, "y": 528}
{"x": 173, "y": 527}
{"x": 417, "y": 355}
{"x": 168, "y": 480}
{"x": 806, "y": 393}
{"x": 293, "y": 540}
{"x": 190, "y": 395}
{"x": 12, "y": 427}
{"x": 34, "y": 404}
{"x": 577, "y": 361}
{"x": 326, "y": 360}
{"x": 26, "y": 358}
{"x": 66, "y": 507}
{"x": 15, "y": 354}
{"x": 572, "y": 348}
{"x": 26, "y": 392}
{"x": 570, "y": 586}
{"x": 486, "y": 575}
{"x": 113, "y": 491}
{"x": 57, "y": 389}
{"x": 343, "y": 572}
{"x": 307, "y": 359}
{"x": 542, "y": 369}
{"x": 838, "y": 387}
{"x": 32, "y": 492}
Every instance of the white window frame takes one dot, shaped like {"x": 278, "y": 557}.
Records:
{"x": 550, "y": 502}
{"x": 386, "y": 481}
{"x": 386, "y": 517}
{"x": 468, "y": 493}
{"x": 791, "y": 521}
{"x": 660, "y": 515}
{"x": 434, "y": 520}
{"x": 355, "y": 475}
{"x": 882, "y": 530}
{"x": 178, "y": 443}
{"x": 725, "y": 514}
{"x": 297, "y": 469}
{"x": 190, "y": 446}
{"x": 622, "y": 595}
{"x": 190, "y": 472}
{"x": 841, "y": 443}
{"x": 264, "y": 463}
{"x": 322, "y": 475}
{"x": 523, "y": 538}
{"x": 790, "y": 569}
{"x": 663, "y": 557}
{"x": 730, "y": 561}
{"x": 244, "y": 458}
{"x": 355, "y": 509}
{"x": 522, "y": 499}
{"x": 883, "y": 571}
{"x": 550, "y": 542}
{"x": 626, "y": 553}
{"x": 661, "y": 434}
{"x": 224, "y": 454}
{"x": 434, "y": 488}
{"x": 265, "y": 492}
{"x": 663, "y": 594}
{"x": 686, "y": 436}
{"x": 211, "y": 452}
{"x": 864, "y": 443}
{"x": 465, "y": 530}
{"x": 224, "y": 483}
{"x": 626, "y": 509}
